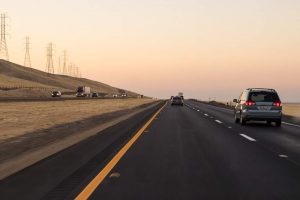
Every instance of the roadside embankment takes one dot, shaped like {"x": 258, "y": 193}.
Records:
{"x": 49, "y": 132}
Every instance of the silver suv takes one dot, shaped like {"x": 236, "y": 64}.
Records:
{"x": 259, "y": 104}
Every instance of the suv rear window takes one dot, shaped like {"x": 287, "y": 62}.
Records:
{"x": 263, "y": 96}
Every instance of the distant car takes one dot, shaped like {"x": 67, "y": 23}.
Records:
{"x": 56, "y": 94}
{"x": 177, "y": 101}
{"x": 124, "y": 95}
{"x": 114, "y": 95}
{"x": 259, "y": 104}
{"x": 95, "y": 95}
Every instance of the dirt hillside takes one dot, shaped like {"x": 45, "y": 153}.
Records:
{"x": 20, "y": 81}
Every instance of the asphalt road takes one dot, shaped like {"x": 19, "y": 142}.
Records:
{"x": 190, "y": 152}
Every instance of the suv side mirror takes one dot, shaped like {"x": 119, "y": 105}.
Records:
{"x": 235, "y": 100}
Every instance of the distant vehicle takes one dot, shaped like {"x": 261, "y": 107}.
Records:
{"x": 124, "y": 95}
{"x": 177, "y": 100}
{"x": 180, "y": 94}
{"x": 259, "y": 104}
{"x": 56, "y": 94}
{"x": 83, "y": 91}
{"x": 95, "y": 95}
{"x": 114, "y": 95}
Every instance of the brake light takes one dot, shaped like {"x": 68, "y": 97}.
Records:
{"x": 277, "y": 103}
{"x": 250, "y": 103}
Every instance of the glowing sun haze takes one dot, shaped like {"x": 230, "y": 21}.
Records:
{"x": 204, "y": 48}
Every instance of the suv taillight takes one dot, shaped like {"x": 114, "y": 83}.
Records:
{"x": 250, "y": 103}
{"x": 277, "y": 103}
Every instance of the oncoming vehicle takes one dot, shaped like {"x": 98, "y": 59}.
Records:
{"x": 177, "y": 101}
{"x": 56, "y": 94}
{"x": 259, "y": 104}
{"x": 83, "y": 91}
{"x": 95, "y": 95}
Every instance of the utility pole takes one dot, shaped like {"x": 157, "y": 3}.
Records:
{"x": 65, "y": 70}
{"x": 70, "y": 69}
{"x": 49, "y": 65}
{"x": 59, "y": 67}
{"x": 3, "y": 44}
{"x": 27, "y": 61}
{"x": 77, "y": 71}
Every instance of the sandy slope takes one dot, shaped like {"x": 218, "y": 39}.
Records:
{"x": 15, "y": 79}
{"x": 18, "y": 118}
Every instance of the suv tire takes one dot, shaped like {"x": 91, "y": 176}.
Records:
{"x": 243, "y": 121}
{"x": 237, "y": 120}
{"x": 278, "y": 123}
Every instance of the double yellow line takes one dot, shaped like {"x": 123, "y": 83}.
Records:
{"x": 91, "y": 187}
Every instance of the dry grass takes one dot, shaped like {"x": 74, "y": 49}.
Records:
{"x": 19, "y": 118}
{"x": 292, "y": 109}
{"x": 13, "y": 75}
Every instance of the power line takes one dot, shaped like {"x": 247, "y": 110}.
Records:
{"x": 3, "y": 44}
{"x": 27, "y": 61}
{"x": 49, "y": 65}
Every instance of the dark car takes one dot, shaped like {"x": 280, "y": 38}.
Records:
{"x": 177, "y": 100}
{"x": 95, "y": 95}
{"x": 56, "y": 94}
{"x": 258, "y": 104}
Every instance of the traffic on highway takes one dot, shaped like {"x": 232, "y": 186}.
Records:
{"x": 195, "y": 151}
{"x": 150, "y": 100}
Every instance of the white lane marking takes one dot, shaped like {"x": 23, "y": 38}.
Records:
{"x": 211, "y": 117}
{"x": 283, "y": 156}
{"x": 248, "y": 138}
{"x": 219, "y": 121}
{"x": 229, "y": 127}
{"x": 198, "y": 110}
{"x": 206, "y": 115}
{"x": 286, "y": 123}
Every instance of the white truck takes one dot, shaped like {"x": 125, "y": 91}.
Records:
{"x": 180, "y": 94}
{"x": 83, "y": 91}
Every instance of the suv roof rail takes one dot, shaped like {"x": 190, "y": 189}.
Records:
{"x": 261, "y": 89}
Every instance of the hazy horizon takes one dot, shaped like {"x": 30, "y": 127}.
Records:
{"x": 203, "y": 48}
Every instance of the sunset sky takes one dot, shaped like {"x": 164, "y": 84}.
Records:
{"x": 204, "y": 48}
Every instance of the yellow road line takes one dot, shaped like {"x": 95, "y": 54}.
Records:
{"x": 91, "y": 187}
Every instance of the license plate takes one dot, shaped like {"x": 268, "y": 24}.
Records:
{"x": 264, "y": 108}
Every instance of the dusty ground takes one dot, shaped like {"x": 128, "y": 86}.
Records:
{"x": 292, "y": 109}
{"x": 19, "y": 118}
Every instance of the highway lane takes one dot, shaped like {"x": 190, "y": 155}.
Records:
{"x": 283, "y": 141}
{"x": 190, "y": 152}
{"x": 186, "y": 154}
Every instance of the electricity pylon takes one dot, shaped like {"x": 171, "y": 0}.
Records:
{"x": 59, "y": 66}
{"x": 3, "y": 44}
{"x": 27, "y": 61}
{"x": 65, "y": 70}
{"x": 49, "y": 65}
